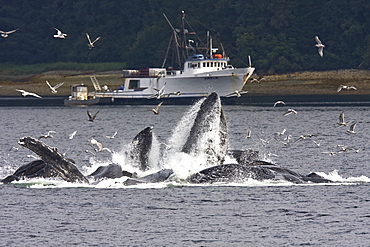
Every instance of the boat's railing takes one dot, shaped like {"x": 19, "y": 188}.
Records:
{"x": 144, "y": 72}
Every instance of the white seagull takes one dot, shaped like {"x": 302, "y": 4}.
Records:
{"x": 258, "y": 80}
{"x": 177, "y": 93}
{"x": 48, "y": 135}
{"x": 352, "y": 129}
{"x": 279, "y": 102}
{"x": 6, "y": 34}
{"x": 73, "y": 134}
{"x": 25, "y": 93}
{"x": 98, "y": 144}
{"x": 160, "y": 92}
{"x": 54, "y": 89}
{"x": 341, "y": 120}
{"x": 289, "y": 111}
{"x": 237, "y": 93}
{"x": 249, "y": 133}
{"x": 345, "y": 87}
{"x": 59, "y": 34}
{"x": 281, "y": 133}
{"x": 91, "y": 44}
{"x": 156, "y": 109}
{"x": 320, "y": 46}
{"x": 112, "y": 137}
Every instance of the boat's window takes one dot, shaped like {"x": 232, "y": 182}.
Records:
{"x": 207, "y": 64}
{"x": 134, "y": 84}
{"x": 81, "y": 89}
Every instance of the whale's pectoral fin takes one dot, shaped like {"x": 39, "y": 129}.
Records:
{"x": 64, "y": 167}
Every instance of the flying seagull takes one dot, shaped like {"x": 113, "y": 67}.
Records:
{"x": 237, "y": 93}
{"x": 25, "y": 93}
{"x": 99, "y": 146}
{"x": 341, "y": 120}
{"x": 320, "y": 46}
{"x": 91, "y": 44}
{"x": 303, "y": 137}
{"x": 92, "y": 117}
{"x": 160, "y": 92}
{"x": 59, "y": 34}
{"x": 112, "y": 137}
{"x": 177, "y": 93}
{"x": 289, "y": 111}
{"x": 156, "y": 109}
{"x": 6, "y": 34}
{"x": 73, "y": 134}
{"x": 258, "y": 80}
{"x": 345, "y": 87}
{"x": 352, "y": 129}
{"x": 249, "y": 133}
{"x": 281, "y": 133}
{"x": 279, "y": 102}
{"x": 54, "y": 89}
{"x": 48, "y": 135}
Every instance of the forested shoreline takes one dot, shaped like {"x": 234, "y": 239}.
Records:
{"x": 278, "y": 35}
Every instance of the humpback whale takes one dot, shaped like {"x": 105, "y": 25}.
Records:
{"x": 257, "y": 170}
{"x": 209, "y": 116}
{"x": 53, "y": 164}
{"x": 206, "y": 137}
{"x": 140, "y": 148}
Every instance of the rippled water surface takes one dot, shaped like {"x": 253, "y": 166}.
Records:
{"x": 272, "y": 213}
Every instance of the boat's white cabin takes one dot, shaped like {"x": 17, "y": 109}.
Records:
{"x": 197, "y": 64}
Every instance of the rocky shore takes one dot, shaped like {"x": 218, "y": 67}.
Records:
{"x": 298, "y": 83}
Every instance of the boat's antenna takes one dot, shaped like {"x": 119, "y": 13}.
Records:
{"x": 250, "y": 61}
{"x": 223, "y": 51}
{"x": 207, "y": 40}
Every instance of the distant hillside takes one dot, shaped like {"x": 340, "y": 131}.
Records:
{"x": 279, "y": 35}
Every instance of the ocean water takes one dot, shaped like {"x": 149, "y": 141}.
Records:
{"x": 42, "y": 212}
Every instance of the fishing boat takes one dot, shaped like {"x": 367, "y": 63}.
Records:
{"x": 203, "y": 71}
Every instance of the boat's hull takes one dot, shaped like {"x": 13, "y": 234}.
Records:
{"x": 143, "y": 101}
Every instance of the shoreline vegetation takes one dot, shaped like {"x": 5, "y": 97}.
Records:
{"x": 32, "y": 78}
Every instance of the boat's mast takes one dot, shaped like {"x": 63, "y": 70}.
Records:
{"x": 176, "y": 46}
{"x": 183, "y": 44}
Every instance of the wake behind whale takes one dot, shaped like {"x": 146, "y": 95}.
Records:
{"x": 195, "y": 153}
